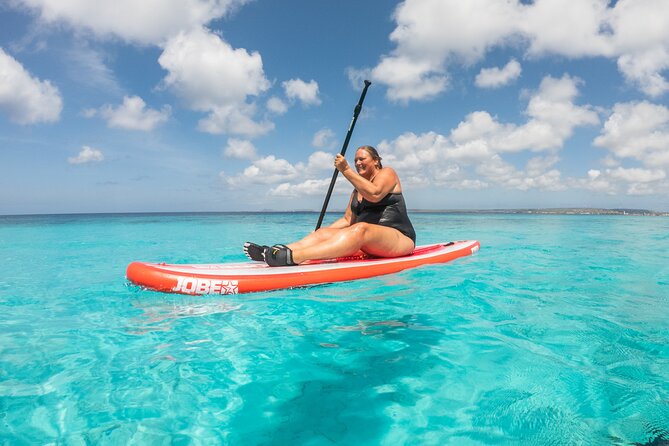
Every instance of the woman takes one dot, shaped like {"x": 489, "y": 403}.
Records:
{"x": 375, "y": 222}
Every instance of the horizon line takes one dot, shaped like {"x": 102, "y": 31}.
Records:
{"x": 555, "y": 210}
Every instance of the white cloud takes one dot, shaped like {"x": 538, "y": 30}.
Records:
{"x": 145, "y": 22}
{"x": 234, "y": 119}
{"x": 411, "y": 153}
{"x": 471, "y": 156}
{"x": 207, "y": 72}
{"x": 642, "y": 189}
{"x": 24, "y": 98}
{"x": 240, "y": 149}
{"x": 266, "y": 170}
{"x": 641, "y": 39}
{"x": 537, "y": 165}
{"x": 431, "y": 158}
{"x": 499, "y": 172}
{"x": 277, "y": 106}
{"x": 637, "y": 130}
{"x": 553, "y": 116}
{"x": 87, "y": 155}
{"x": 637, "y": 175}
{"x": 211, "y": 76}
{"x": 571, "y": 29}
{"x": 472, "y": 184}
{"x": 323, "y": 138}
{"x": 305, "y": 92}
{"x": 595, "y": 181}
{"x": 431, "y": 34}
{"x": 88, "y": 68}
{"x": 631, "y": 180}
{"x": 357, "y": 75}
{"x": 477, "y": 125}
{"x": 498, "y": 77}
{"x": 609, "y": 161}
{"x": 320, "y": 161}
{"x": 89, "y": 112}
{"x": 132, "y": 115}
{"x": 432, "y": 29}
{"x": 644, "y": 69}
{"x": 272, "y": 170}
{"x": 307, "y": 187}
{"x": 410, "y": 79}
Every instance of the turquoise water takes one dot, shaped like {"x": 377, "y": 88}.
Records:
{"x": 555, "y": 333}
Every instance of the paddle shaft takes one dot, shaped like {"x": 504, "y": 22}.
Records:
{"x": 356, "y": 112}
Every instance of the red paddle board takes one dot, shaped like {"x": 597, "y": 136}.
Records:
{"x": 247, "y": 277}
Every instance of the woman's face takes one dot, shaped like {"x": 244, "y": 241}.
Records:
{"x": 364, "y": 163}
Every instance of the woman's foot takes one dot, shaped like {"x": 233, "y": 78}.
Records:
{"x": 255, "y": 252}
{"x": 279, "y": 255}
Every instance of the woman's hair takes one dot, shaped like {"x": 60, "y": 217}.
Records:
{"x": 374, "y": 154}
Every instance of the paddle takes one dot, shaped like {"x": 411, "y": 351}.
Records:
{"x": 356, "y": 112}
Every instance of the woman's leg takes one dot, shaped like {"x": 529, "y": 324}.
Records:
{"x": 256, "y": 252}
{"x": 372, "y": 239}
{"x": 316, "y": 237}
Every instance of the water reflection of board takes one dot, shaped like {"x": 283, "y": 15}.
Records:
{"x": 247, "y": 277}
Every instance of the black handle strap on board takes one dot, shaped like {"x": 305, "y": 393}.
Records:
{"x": 356, "y": 112}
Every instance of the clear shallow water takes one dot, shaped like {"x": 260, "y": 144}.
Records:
{"x": 555, "y": 333}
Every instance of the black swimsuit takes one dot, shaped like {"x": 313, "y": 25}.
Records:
{"x": 391, "y": 211}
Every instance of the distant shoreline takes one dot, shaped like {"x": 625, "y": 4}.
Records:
{"x": 557, "y": 211}
{"x": 529, "y": 211}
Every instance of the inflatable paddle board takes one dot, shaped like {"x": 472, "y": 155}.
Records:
{"x": 247, "y": 277}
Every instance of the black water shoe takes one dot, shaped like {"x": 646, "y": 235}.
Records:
{"x": 255, "y": 252}
{"x": 279, "y": 255}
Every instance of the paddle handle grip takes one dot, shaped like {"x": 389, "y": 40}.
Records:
{"x": 351, "y": 126}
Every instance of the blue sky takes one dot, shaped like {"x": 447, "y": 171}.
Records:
{"x": 241, "y": 105}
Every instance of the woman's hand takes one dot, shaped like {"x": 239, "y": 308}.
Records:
{"x": 341, "y": 164}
